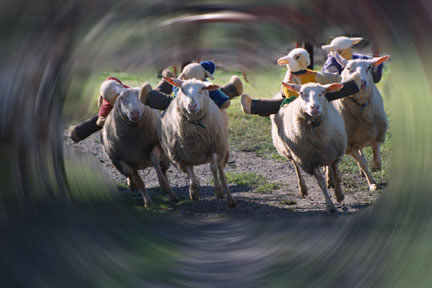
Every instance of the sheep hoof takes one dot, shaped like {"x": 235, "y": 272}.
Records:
{"x": 304, "y": 193}
{"x": 331, "y": 210}
{"x": 148, "y": 203}
{"x": 193, "y": 196}
{"x": 373, "y": 187}
{"x": 340, "y": 198}
{"x": 232, "y": 203}
{"x": 174, "y": 198}
{"x": 376, "y": 168}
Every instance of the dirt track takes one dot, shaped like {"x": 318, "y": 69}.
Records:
{"x": 281, "y": 202}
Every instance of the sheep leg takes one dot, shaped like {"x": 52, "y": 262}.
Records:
{"x": 131, "y": 184}
{"x": 337, "y": 181}
{"x": 361, "y": 170}
{"x": 300, "y": 181}
{"x": 140, "y": 184}
{"x": 217, "y": 184}
{"x": 376, "y": 156}
{"x": 230, "y": 200}
{"x": 163, "y": 181}
{"x": 361, "y": 161}
{"x": 329, "y": 177}
{"x": 134, "y": 179}
{"x": 331, "y": 208}
{"x": 193, "y": 183}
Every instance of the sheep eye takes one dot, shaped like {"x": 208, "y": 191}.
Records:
{"x": 297, "y": 57}
{"x": 339, "y": 51}
{"x": 349, "y": 69}
{"x": 369, "y": 67}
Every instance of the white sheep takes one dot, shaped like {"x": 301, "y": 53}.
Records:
{"x": 130, "y": 140}
{"x": 311, "y": 133}
{"x": 194, "y": 131}
{"x": 364, "y": 115}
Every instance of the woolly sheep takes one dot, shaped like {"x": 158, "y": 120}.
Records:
{"x": 194, "y": 132}
{"x": 130, "y": 140}
{"x": 364, "y": 115}
{"x": 311, "y": 133}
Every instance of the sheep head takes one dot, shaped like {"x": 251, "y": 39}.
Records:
{"x": 362, "y": 66}
{"x": 312, "y": 95}
{"x": 296, "y": 60}
{"x": 192, "y": 93}
{"x": 130, "y": 105}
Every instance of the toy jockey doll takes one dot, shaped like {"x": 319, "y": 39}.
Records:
{"x": 343, "y": 45}
{"x": 201, "y": 71}
{"x": 297, "y": 61}
{"x": 157, "y": 99}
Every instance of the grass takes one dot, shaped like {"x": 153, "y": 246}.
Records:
{"x": 260, "y": 184}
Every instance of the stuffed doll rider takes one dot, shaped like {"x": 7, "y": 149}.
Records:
{"x": 201, "y": 71}
{"x": 343, "y": 45}
{"x": 296, "y": 62}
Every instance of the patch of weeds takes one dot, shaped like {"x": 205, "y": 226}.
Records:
{"x": 267, "y": 187}
{"x": 122, "y": 186}
{"x": 289, "y": 202}
{"x": 252, "y": 180}
{"x": 277, "y": 157}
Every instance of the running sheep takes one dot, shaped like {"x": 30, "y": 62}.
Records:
{"x": 364, "y": 115}
{"x": 130, "y": 140}
{"x": 194, "y": 131}
{"x": 311, "y": 133}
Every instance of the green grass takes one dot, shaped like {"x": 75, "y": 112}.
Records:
{"x": 260, "y": 184}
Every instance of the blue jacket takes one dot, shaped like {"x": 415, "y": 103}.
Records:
{"x": 331, "y": 64}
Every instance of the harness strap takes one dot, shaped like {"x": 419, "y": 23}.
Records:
{"x": 197, "y": 122}
{"x": 362, "y": 106}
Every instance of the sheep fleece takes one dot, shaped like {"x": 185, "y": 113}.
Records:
{"x": 190, "y": 144}
{"x": 294, "y": 138}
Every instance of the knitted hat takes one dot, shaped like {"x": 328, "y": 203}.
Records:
{"x": 342, "y": 42}
{"x": 209, "y": 66}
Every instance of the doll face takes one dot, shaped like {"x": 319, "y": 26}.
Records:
{"x": 345, "y": 53}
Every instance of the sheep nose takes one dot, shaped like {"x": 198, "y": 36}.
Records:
{"x": 192, "y": 106}
{"x": 135, "y": 114}
{"x": 363, "y": 83}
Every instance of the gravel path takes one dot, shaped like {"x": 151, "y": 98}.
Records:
{"x": 249, "y": 202}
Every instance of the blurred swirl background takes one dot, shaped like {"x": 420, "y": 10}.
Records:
{"x": 63, "y": 224}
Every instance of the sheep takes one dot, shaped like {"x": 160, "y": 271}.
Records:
{"x": 194, "y": 131}
{"x": 311, "y": 133}
{"x": 364, "y": 115}
{"x": 130, "y": 140}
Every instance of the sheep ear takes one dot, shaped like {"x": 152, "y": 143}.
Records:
{"x": 283, "y": 61}
{"x": 333, "y": 87}
{"x": 174, "y": 81}
{"x": 356, "y": 40}
{"x": 210, "y": 86}
{"x": 343, "y": 62}
{"x": 378, "y": 60}
{"x": 292, "y": 87}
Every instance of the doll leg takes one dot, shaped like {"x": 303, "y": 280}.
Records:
{"x": 153, "y": 98}
{"x": 262, "y": 107}
{"x": 233, "y": 88}
{"x": 219, "y": 97}
{"x": 163, "y": 86}
{"x": 84, "y": 129}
